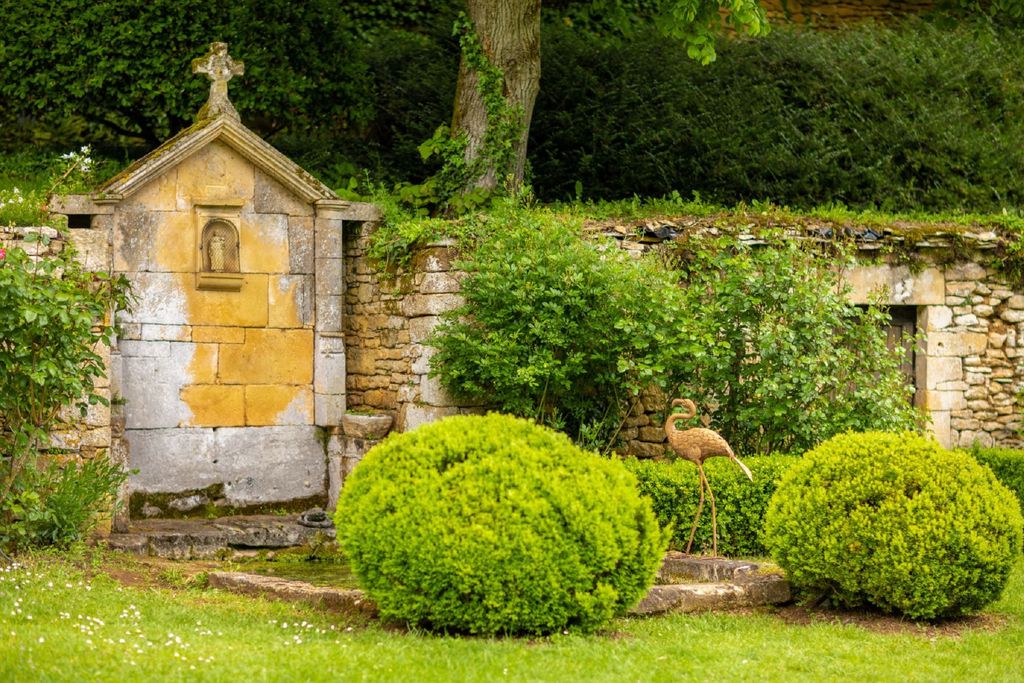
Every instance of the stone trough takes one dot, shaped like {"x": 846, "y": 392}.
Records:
{"x": 685, "y": 584}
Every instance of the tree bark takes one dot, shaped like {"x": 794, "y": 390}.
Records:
{"x": 509, "y": 31}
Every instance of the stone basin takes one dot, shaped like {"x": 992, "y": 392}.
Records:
{"x": 371, "y": 427}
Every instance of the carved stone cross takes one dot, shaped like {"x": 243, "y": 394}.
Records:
{"x": 219, "y": 68}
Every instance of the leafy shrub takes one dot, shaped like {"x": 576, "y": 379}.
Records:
{"x": 19, "y": 207}
{"x": 27, "y": 178}
{"x": 568, "y": 330}
{"x": 674, "y": 490}
{"x": 557, "y": 327}
{"x": 58, "y": 504}
{"x": 791, "y": 362}
{"x": 1008, "y": 466}
{"x": 51, "y": 324}
{"x": 917, "y": 116}
{"x": 895, "y": 521}
{"x": 496, "y": 525}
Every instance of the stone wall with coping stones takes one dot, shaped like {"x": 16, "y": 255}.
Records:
{"x": 968, "y": 373}
{"x": 85, "y": 437}
{"x": 387, "y": 319}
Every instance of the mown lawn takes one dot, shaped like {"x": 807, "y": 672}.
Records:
{"x": 62, "y": 622}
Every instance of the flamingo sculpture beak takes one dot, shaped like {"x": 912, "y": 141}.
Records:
{"x": 746, "y": 470}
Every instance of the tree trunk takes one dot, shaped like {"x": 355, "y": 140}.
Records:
{"x": 509, "y": 31}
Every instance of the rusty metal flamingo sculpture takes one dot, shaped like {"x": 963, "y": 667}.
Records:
{"x": 697, "y": 445}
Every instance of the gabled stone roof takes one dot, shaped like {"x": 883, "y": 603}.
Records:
{"x": 230, "y": 132}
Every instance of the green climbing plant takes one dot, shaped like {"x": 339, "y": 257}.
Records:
{"x": 54, "y": 320}
{"x": 451, "y": 189}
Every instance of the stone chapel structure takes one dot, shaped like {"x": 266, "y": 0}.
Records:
{"x": 231, "y": 362}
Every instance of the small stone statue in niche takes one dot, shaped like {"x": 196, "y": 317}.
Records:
{"x": 220, "y": 247}
{"x": 217, "y": 253}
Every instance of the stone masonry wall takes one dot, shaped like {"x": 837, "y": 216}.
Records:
{"x": 218, "y": 384}
{"x": 973, "y": 373}
{"x": 835, "y": 13}
{"x": 969, "y": 370}
{"x": 387, "y": 320}
{"x": 90, "y": 436}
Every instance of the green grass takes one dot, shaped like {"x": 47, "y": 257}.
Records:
{"x": 60, "y": 623}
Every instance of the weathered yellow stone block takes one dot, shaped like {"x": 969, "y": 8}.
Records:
{"x": 203, "y": 367}
{"x": 214, "y": 405}
{"x": 218, "y": 335}
{"x": 175, "y": 243}
{"x": 267, "y": 405}
{"x": 263, "y": 243}
{"x": 244, "y": 308}
{"x": 289, "y": 301}
{"x": 269, "y": 357}
{"x": 159, "y": 194}
{"x": 214, "y": 173}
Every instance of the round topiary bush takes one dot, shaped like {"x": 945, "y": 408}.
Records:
{"x": 895, "y": 521}
{"x": 492, "y": 525}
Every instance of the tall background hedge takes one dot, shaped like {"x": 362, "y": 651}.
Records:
{"x": 922, "y": 115}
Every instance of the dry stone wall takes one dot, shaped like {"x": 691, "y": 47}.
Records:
{"x": 968, "y": 368}
{"x": 388, "y": 318}
{"x": 972, "y": 371}
{"x": 836, "y": 13}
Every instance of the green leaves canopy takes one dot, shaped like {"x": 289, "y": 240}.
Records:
{"x": 126, "y": 66}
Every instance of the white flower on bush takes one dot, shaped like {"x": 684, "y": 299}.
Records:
{"x": 82, "y": 158}
{"x": 12, "y": 197}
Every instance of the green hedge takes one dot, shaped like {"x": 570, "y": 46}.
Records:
{"x": 919, "y": 116}
{"x": 674, "y": 491}
{"x": 493, "y": 524}
{"x": 1008, "y": 466}
{"x": 914, "y": 117}
{"x": 895, "y": 521}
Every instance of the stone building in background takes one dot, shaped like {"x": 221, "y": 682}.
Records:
{"x": 839, "y": 13}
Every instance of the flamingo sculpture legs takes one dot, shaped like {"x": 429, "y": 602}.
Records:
{"x": 705, "y": 484}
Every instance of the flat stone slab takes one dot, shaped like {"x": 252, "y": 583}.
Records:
{"x": 749, "y": 586}
{"x": 352, "y": 601}
{"x": 766, "y": 589}
{"x": 693, "y": 583}
{"x": 680, "y": 568}
{"x": 197, "y": 539}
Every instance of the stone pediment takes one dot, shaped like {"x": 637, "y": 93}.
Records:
{"x": 228, "y": 131}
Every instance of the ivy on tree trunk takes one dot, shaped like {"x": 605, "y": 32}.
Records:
{"x": 508, "y": 32}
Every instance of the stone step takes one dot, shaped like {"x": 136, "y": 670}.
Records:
{"x": 350, "y": 600}
{"x": 198, "y": 539}
{"x": 750, "y": 591}
{"x": 754, "y": 591}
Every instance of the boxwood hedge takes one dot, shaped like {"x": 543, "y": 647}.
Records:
{"x": 493, "y": 525}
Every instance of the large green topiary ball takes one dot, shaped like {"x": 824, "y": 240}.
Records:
{"x": 896, "y": 521}
{"x": 493, "y": 525}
